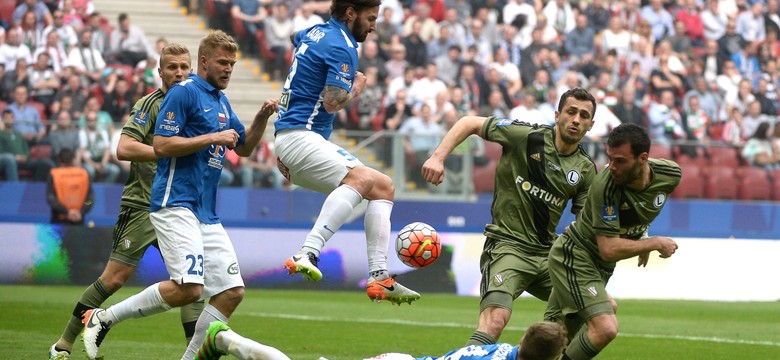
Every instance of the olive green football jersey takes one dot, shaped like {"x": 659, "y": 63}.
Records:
{"x": 616, "y": 211}
{"x": 533, "y": 183}
{"x": 140, "y": 126}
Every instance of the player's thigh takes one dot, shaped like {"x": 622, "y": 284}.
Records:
{"x": 133, "y": 234}
{"x": 579, "y": 286}
{"x": 310, "y": 161}
{"x": 220, "y": 260}
{"x": 181, "y": 243}
{"x": 506, "y": 268}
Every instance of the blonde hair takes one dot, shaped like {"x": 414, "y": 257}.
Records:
{"x": 173, "y": 49}
{"x": 216, "y": 39}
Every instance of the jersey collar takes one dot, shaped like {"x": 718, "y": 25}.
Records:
{"x": 203, "y": 83}
{"x": 344, "y": 29}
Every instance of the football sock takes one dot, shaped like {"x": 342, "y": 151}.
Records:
{"x": 377, "y": 224}
{"x": 240, "y": 347}
{"x": 146, "y": 303}
{"x": 209, "y": 315}
{"x": 335, "y": 211}
{"x": 481, "y": 338}
{"x": 92, "y": 297}
{"x": 189, "y": 316}
{"x": 581, "y": 348}
{"x": 380, "y": 274}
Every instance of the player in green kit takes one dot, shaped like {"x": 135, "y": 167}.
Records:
{"x": 540, "y": 170}
{"x": 133, "y": 232}
{"x": 622, "y": 202}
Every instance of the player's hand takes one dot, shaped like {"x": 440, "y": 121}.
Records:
{"x": 358, "y": 84}
{"x": 270, "y": 106}
{"x": 227, "y": 138}
{"x": 433, "y": 171}
{"x": 666, "y": 246}
{"x": 643, "y": 258}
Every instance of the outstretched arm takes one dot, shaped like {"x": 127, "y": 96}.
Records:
{"x": 433, "y": 168}
{"x": 256, "y": 130}
{"x": 616, "y": 248}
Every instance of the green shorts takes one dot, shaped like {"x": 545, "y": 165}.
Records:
{"x": 133, "y": 234}
{"x": 508, "y": 269}
{"x": 580, "y": 285}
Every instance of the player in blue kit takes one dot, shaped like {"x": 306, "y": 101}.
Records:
{"x": 323, "y": 80}
{"x": 195, "y": 127}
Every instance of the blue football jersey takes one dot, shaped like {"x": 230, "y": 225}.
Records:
{"x": 193, "y": 107}
{"x": 325, "y": 55}
{"x": 480, "y": 352}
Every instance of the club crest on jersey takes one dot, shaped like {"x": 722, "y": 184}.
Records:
{"x": 504, "y": 122}
{"x": 573, "y": 177}
{"x": 169, "y": 116}
{"x": 608, "y": 213}
{"x": 659, "y": 200}
{"x": 140, "y": 118}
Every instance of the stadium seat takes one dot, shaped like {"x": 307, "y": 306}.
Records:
{"x": 754, "y": 184}
{"x": 691, "y": 184}
{"x": 720, "y": 183}
{"x": 41, "y": 151}
{"x": 724, "y": 156}
{"x": 3, "y": 105}
{"x": 493, "y": 150}
{"x": 126, "y": 70}
{"x": 41, "y": 110}
{"x": 7, "y": 8}
{"x": 660, "y": 151}
{"x": 484, "y": 177}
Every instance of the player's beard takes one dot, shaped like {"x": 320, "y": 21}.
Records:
{"x": 632, "y": 174}
{"x": 359, "y": 31}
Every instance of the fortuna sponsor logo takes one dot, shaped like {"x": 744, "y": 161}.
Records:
{"x": 315, "y": 34}
{"x": 634, "y": 231}
{"x": 233, "y": 269}
{"x": 538, "y": 192}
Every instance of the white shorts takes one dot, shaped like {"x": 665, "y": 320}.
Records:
{"x": 308, "y": 160}
{"x": 194, "y": 252}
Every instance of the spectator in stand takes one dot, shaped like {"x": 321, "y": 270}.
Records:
{"x": 732, "y": 41}
{"x": 616, "y": 37}
{"x": 714, "y": 21}
{"x": 477, "y": 39}
{"x": 511, "y": 45}
{"x": 251, "y": 13}
{"x": 680, "y": 41}
{"x": 457, "y": 98}
{"x": 457, "y": 30}
{"x": 422, "y": 134}
{"x": 549, "y": 34}
{"x": 509, "y": 72}
{"x": 728, "y": 81}
{"x": 99, "y": 36}
{"x": 561, "y": 16}
{"x": 428, "y": 28}
{"x": 708, "y": 100}
{"x": 20, "y": 76}
{"x": 750, "y": 24}
{"x": 64, "y": 103}
{"x": 67, "y": 35}
{"x": 772, "y": 16}
{"x": 539, "y": 86}
{"x": 426, "y": 87}
{"x": 29, "y": 33}
{"x": 370, "y": 58}
{"x": 740, "y": 99}
{"x": 467, "y": 81}
{"x": 104, "y": 120}
{"x": 259, "y": 169}
{"x": 386, "y": 30}
{"x": 128, "y": 43}
{"x": 15, "y": 152}
{"x": 396, "y": 113}
{"x": 437, "y": 8}
{"x": 665, "y": 121}
{"x": 401, "y": 82}
{"x": 448, "y": 65}
{"x": 661, "y": 22}
{"x": 58, "y": 57}
{"x": 522, "y": 16}
{"x": 663, "y": 79}
{"x": 759, "y": 150}
{"x": 364, "y": 110}
{"x": 12, "y": 50}
{"x": 528, "y": 110}
{"x": 599, "y": 15}
{"x": 495, "y": 105}
{"x": 396, "y": 14}
{"x": 627, "y": 109}
{"x": 696, "y": 119}
{"x": 118, "y": 100}
{"x": 746, "y": 61}
{"x": 767, "y": 105}
{"x": 277, "y": 34}
{"x": 306, "y": 18}
{"x": 693, "y": 26}
{"x": 713, "y": 61}
{"x": 638, "y": 83}
{"x": 549, "y": 107}
{"x": 71, "y": 16}
{"x": 95, "y": 150}
{"x": 397, "y": 65}
{"x": 772, "y": 77}
{"x": 64, "y": 134}
{"x": 86, "y": 60}
{"x": 69, "y": 191}
{"x": 629, "y": 13}
{"x": 580, "y": 41}
{"x": 492, "y": 83}
{"x": 43, "y": 80}
{"x": 604, "y": 91}
{"x": 28, "y": 120}
{"x": 752, "y": 119}
{"x": 76, "y": 93}
{"x": 440, "y": 44}
{"x": 416, "y": 48}
{"x": 40, "y": 9}
{"x": 644, "y": 33}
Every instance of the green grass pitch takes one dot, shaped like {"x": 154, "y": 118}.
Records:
{"x": 346, "y": 325}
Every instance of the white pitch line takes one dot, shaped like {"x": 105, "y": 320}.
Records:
{"x": 458, "y": 325}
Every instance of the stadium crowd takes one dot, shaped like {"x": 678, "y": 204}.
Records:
{"x": 701, "y": 75}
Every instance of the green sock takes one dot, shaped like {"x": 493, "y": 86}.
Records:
{"x": 93, "y": 296}
{"x": 480, "y": 338}
{"x": 189, "y": 316}
{"x": 581, "y": 348}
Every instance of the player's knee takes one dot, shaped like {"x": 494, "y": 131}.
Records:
{"x": 188, "y": 294}
{"x": 604, "y": 330}
{"x": 234, "y": 295}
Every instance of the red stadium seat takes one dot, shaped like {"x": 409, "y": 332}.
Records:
{"x": 660, "y": 151}
{"x": 7, "y": 8}
{"x": 748, "y": 171}
{"x": 724, "y": 156}
{"x": 691, "y": 184}
{"x": 754, "y": 185}
{"x": 484, "y": 177}
{"x": 41, "y": 110}
{"x": 493, "y": 150}
{"x": 720, "y": 183}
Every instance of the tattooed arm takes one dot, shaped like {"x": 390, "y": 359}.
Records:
{"x": 336, "y": 98}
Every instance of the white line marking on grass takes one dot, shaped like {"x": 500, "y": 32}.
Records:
{"x": 514, "y": 328}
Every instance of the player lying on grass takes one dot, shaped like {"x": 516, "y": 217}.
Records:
{"x": 543, "y": 340}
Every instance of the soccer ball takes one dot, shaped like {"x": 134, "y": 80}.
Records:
{"x": 418, "y": 245}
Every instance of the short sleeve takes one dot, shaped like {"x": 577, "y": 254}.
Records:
{"x": 173, "y": 111}
{"x": 341, "y": 67}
